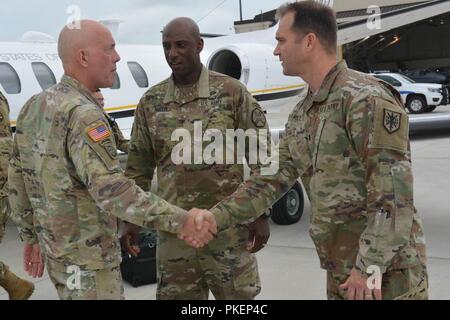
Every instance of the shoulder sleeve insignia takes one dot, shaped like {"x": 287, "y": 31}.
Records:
{"x": 258, "y": 118}
{"x": 99, "y": 133}
{"x": 390, "y": 129}
{"x": 391, "y": 121}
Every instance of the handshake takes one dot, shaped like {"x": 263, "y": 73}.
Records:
{"x": 199, "y": 228}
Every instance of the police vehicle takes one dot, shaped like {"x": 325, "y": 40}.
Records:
{"x": 417, "y": 97}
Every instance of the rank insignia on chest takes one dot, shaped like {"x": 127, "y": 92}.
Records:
{"x": 99, "y": 133}
{"x": 391, "y": 121}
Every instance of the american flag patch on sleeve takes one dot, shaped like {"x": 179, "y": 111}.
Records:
{"x": 99, "y": 133}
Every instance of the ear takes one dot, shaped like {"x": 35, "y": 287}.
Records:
{"x": 200, "y": 45}
{"x": 82, "y": 58}
{"x": 311, "y": 41}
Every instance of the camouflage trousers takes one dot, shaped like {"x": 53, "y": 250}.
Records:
{"x": 223, "y": 267}
{"x": 402, "y": 284}
{"x": 76, "y": 284}
{"x": 2, "y": 271}
{"x": 4, "y": 214}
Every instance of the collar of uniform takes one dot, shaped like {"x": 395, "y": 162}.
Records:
{"x": 173, "y": 94}
{"x": 77, "y": 85}
{"x": 328, "y": 82}
{"x": 2, "y": 97}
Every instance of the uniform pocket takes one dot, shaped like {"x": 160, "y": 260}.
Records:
{"x": 317, "y": 141}
{"x": 166, "y": 124}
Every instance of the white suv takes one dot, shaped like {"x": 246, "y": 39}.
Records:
{"x": 418, "y": 97}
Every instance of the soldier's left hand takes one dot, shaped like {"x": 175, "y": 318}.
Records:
{"x": 258, "y": 234}
{"x": 130, "y": 239}
{"x": 32, "y": 260}
{"x": 357, "y": 287}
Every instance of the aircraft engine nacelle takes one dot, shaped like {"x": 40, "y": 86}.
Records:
{"x": 251, "y": 64}
{"x": 256, "y": 67}
{"x": 230, "y": 61}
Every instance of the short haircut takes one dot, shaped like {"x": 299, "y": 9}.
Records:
{"x": 313, "y": 17}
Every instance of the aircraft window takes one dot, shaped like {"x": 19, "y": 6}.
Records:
{"x": 116, "y": 84}
{"x": 139, "y": 74}
{"x": 9, "y": 79}
{"x": 44, "y": 75}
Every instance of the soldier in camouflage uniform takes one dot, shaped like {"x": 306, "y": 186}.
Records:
{"x": 18, "y": 289}
{"x": 225, "y": 266}
{"x": 121, "y": 142}
{"x": 348, "y": 141}
{"x": 66, "y": 186}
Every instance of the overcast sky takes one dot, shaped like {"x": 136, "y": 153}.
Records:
{"x": 144, "y": 19}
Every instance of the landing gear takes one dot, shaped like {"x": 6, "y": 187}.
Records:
{"x": 289, "y": 209}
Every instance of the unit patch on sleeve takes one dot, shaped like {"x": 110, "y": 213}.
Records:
{"x": 258, "y": 118}
{"x": 392, "y": 121}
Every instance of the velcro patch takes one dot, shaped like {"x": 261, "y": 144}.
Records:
{"x": 392, "y": 121}
{"x": 390, "y": 129}
{"x": 331, "y": 107}
{"x": 258, "y": 118}
{"x": 99, "y": 133}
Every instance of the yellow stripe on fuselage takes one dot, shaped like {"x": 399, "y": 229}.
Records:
{"x": 133, "y": 106}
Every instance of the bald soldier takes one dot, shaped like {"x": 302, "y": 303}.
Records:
{"x": 66, "y": 186}
{"x": 348, "y": 141}
{"x": 17, "y": 288}
{"x": 194, "y": 100}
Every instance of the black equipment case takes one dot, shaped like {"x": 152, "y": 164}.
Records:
{"x": 141, "y": 270}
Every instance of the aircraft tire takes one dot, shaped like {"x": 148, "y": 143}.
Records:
{"x": 289, "y": 209}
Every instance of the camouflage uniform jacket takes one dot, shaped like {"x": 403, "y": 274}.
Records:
{"x": 121, "y": 143}
{"x": 5, "y": 151}
{"x": 5, "y": 144}
{"x": 66, "y": 186}
{"x": 350, "y": 145}
{"x": 220, "y": 103}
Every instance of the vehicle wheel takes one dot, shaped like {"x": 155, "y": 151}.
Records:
{"x": 430, "y": 108}
{"x": 416, "y": 104}
{"x": 289, "y": 209}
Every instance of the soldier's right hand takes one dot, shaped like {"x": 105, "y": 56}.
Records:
{"x": 199, "y": 228}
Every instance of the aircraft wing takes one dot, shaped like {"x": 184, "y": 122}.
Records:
{"x": 356, "y": 30}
